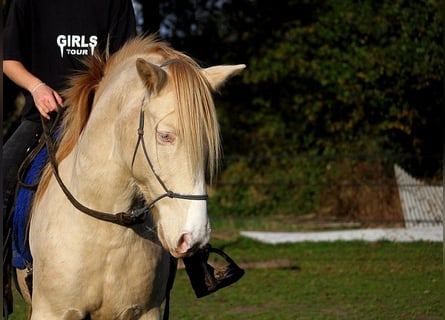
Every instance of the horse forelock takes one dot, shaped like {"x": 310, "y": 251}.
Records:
{"x": 197, "y": 121}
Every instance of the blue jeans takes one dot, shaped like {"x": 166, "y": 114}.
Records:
{"x": 15, "y": 150}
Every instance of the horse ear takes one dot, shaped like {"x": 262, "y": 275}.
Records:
{"x": 218, "y": 74}
{"x": 152, "y": 76}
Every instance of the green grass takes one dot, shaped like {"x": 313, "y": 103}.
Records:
{"x": 339, "y": 280}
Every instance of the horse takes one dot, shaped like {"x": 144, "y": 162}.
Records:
{"x": 139, "y": 126}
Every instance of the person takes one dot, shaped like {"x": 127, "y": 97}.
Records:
{"x": 44, "y": 42}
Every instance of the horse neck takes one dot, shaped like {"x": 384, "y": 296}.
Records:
{"x": 99, "y": 176}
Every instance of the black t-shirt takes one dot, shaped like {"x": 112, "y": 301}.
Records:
{"x": 50, "y": 37}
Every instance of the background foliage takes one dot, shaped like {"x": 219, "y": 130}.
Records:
{"x": 335, "y": 93}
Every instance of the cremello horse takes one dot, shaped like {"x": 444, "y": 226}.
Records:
{"x": 151, "y": 131}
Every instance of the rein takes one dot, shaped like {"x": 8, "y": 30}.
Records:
{"x": 128, "y": 218}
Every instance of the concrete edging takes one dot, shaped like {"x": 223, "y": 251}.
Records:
{"x": 432, "y": 234}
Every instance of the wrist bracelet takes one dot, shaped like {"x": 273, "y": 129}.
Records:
{"x": 37, "y": 86}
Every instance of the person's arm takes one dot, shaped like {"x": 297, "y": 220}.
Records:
{"x": 45, "y": 98}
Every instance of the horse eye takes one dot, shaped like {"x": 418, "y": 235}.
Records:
{"x": 166, "y": 137}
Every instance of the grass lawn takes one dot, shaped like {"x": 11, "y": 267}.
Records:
{"x": 339, "y": 280}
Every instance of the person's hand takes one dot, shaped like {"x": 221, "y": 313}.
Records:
{"x": 46, "y": 99}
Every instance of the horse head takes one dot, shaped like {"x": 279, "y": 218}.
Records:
{"x": 178, "y": 147}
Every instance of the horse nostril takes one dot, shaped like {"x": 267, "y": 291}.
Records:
{"x": 184, "y": 243}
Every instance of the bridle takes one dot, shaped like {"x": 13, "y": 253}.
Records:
{"x": 127, "y": 218}
{"x": 141, "y": 141}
